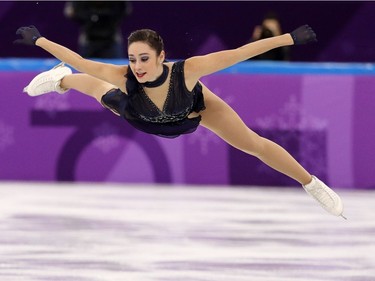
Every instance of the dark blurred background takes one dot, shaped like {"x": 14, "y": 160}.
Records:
{"x": 344, "y": 28}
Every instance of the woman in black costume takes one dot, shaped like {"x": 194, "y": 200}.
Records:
{"x": 167, "y": 98}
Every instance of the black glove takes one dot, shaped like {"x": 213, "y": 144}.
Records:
{"x": 29, "y": 35}
{"x": 303, "y": 35}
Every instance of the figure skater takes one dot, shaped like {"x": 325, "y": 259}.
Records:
{"x": 168, "y": 99}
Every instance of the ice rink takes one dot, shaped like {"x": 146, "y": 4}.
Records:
{"x": 92, "y": 232}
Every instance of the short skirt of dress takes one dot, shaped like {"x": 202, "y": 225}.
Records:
{"x": 118, "y": 102}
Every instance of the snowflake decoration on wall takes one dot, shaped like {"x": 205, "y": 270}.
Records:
{"x": 106, "y": 137}
{"x": 291, "y": 117}
{"x": 52, "y": 103}
{"x": 296, "y": 126}
{"x": 6, "y": 136}
{"x": 204, "y": 138}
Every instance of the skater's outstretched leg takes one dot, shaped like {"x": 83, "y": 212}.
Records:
{"x": 220, "y": 118}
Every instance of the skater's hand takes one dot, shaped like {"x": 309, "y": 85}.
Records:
{"x": 29, "y": 35}
{"x": 303, "y": 35}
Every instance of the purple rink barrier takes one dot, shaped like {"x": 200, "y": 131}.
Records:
{"x": 321, "y": 113}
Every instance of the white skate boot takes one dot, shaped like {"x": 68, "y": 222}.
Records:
{"x": 326, "y": 197}
{"x": 48, "y": 81}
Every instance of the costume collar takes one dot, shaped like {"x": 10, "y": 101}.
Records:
{"x": 159, "y": 81}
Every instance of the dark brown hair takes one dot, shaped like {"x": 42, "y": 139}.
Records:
{"x": 149, "y": 37}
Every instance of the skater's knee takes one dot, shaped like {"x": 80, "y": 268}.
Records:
{"x": 257, "y": 145}
{"x": 252, "y": 144}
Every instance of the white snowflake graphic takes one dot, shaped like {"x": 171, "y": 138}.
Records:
{"x": 291, "y": 117}
{"x": 294, "y": 129}
{"x": 204, "y": 137}
{"x": 106, "y": 137}
{"x": 52, "y": 103}
{"x": 6, "y": 136}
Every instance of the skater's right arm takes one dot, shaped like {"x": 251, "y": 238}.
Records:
{"x": 111, "y": 73}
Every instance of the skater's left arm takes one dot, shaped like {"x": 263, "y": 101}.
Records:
{"x": 111, "y": 73}
{"x": 198, "y": 66}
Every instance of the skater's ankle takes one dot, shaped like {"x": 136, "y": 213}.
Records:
{"x": 310, "y": 182}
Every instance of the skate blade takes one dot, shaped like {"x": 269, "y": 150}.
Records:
{"x": 343, "y": 217}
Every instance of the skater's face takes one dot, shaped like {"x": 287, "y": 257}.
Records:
{"x": 144, "y": 61}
